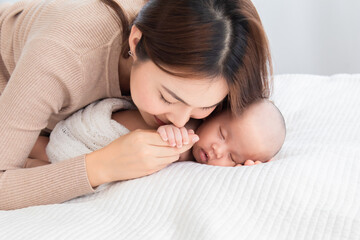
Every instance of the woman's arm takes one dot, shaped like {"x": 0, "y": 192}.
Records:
{"x": 37, "y": 156}
{"x": 39, "y": 150}
{"x": 39, "y": 86}
{"x": 33, "y": 162}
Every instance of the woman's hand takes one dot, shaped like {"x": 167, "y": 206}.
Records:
{"x": 136, "y": 154}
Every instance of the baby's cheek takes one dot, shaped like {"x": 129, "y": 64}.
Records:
{"x": 196, "y": 145}
{"x": 186, "y": 156}
{"x": 194, "y": 152}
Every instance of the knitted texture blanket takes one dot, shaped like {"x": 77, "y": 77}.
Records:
{"x": 87, "y": 130}
{"x": 311, "y": 190}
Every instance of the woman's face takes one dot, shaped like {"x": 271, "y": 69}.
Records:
{"x": 163, "y": 98}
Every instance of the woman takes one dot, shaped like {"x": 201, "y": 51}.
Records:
{"x": 58, "y": 56}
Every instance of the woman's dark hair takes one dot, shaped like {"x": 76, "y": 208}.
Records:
{"x": 205, "y": 38}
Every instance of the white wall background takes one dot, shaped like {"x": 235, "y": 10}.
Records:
{"x": 313, "y": 36}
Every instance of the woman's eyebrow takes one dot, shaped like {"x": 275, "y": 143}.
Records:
{"x": 178, "y": 98}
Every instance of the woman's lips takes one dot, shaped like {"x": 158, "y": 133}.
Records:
{"x": 159, "y": 121}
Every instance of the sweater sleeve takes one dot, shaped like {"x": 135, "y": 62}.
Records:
{"x": 47, "y": 79}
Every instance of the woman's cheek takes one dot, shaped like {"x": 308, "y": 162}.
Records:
{"x": 200, "y": 114}
{"x": 147, "y": 103}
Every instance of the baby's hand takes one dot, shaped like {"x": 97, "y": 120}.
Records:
{"x": 177, "y": 136}
{"x": 251, "y": 162}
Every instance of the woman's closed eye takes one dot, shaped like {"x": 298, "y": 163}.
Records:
{"x": 168, "y": 102}
{"x": 207, "y": 108}
{"x": 164, "y": 100}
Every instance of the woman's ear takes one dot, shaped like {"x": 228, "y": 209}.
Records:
{"x": 134, "y": 38}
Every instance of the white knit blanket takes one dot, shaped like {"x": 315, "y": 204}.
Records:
{"x": 87, "y": 130}
{"x": 310, "y": 191}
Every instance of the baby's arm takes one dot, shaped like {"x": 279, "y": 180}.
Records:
{"x": 37, "y": 156}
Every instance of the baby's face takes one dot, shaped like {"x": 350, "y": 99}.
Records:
{"x": 228, "y": 141}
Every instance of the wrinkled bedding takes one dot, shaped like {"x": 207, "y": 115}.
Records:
{"x": 310, "y": 191}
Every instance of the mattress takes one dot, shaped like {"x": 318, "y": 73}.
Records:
{"x": 310, "y": 191}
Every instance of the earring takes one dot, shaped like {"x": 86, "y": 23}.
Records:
{"x": 130, "y": 53}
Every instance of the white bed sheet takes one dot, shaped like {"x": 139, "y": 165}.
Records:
{"x": 310, "y": 191}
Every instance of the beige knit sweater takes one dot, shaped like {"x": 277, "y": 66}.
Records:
{"x": 56, "y": 56}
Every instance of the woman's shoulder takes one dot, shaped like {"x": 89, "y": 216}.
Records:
{"x": 80, "y": 25}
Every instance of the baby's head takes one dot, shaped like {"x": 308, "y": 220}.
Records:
{"x": 257, "y": 135}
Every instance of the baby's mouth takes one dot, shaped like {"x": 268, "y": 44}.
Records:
{"x": 206, "y": 156}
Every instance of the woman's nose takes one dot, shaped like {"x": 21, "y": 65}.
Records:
{"x": 180, "y": 118}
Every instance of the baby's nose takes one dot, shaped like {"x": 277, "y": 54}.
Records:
{"x": 218, "y": 150}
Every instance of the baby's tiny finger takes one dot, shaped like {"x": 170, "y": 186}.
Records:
{"x": 257, "y": 162}
{"x": 185, "y": 136}
{"x": 194, "y": 138}
{"x": 178, "y": 137}
{"x": 191, "y": 131}
{"x": 162, "y": 133}
{"x": 171, "y": 137}
{"x": 249, "y": 163}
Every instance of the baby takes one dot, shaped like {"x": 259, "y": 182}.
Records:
{"x": 251, "y": 138}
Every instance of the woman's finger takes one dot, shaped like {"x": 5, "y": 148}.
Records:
{"x": 153, "y": 138}
{"x": 167, "y": 151}
{"x": 148, "y": 136}
{"x": 165, "y": 161}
